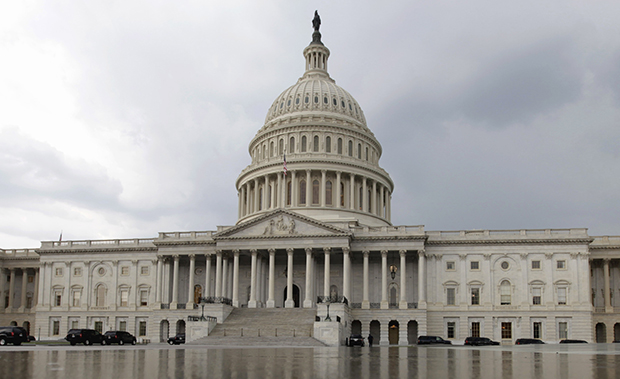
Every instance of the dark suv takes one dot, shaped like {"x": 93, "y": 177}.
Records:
{"x": 118, "y": 337}
{"x": 428, "y": 340}
{"x": 85, "y": 336}
{"x": 178, "y": 339}
{"x": 479, "y": 341}
{"x": 528, "y": 341}
{"x": 13, "y": 334}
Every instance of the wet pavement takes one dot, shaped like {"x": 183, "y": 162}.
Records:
{"x": 163, "y": 361}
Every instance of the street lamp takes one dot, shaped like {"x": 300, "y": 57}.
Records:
{"x": 202, "y": 304}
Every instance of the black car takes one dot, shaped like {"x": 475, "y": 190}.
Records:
{"x": 479, "y": 341}
{"x": 178, "y": 339}
{"x": 528, "y": 341}
{"x": 573, "y": 341}
{"x": 356, "y": 339}
{"x": 118, "y": 337}
{"x": 429, "y": 340}
{"x": 13, "y": 334}
{"x": 85, "y": 336}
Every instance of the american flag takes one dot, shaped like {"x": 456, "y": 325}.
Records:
{"x": 285, "y": 170}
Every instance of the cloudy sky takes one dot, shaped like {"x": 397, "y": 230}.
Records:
{"x": 120, "y": 119}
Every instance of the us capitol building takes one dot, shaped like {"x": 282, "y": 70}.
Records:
{"x": 314, "y": 243}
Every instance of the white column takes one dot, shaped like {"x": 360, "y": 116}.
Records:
{"x": 240, "y": 203}
{"x": 35, "y": 298}
{"x": 190, "y": 290}
{"x": 246, "y": 199}
{"x": 218, "y": 273}
{"x": 364, "y": 198}
{"x": 175, "y": 283}
{"x": 158, "y": 281}
{"x": 338, "y": 189}
{"x": 265, "y": 191}
{"x": 259, "y": 281}
{"x": 273, "y": 193}
{"x": 346, "y": 273}
{"x": 294, "y": 194}
{"x": 308, "y": 298}
{"x": 365, "y": 300}
{"x": 256, "y": 191}
{"x": 352, "y": 192}
{"x": 308, "y": 188}
{"x": 235, "y": 290}
{"x": 252, "y": 302}
{"x": 607, "y": 298}
{"x": 389, "y": 207}
{"x": 382, "y": 202}
{"x": 282, "y": 190}
{"x": 384, "y": 296}
{"x": 22, "y": 304}
{"x": 224, "y": 275}
{"x": 374, "y": 197}
{"x": 326, "y": 270}
{"x": 421, "y": 279}
{"x": 208, "y": 275}
{"x": 290, "y": 303}
{"x": 403, "y": 280}
{"x": 323, "y": 187}
{"x": 271, "y": 302}
{"x": 43, "y": 269}
{"x": 10, "y": 304}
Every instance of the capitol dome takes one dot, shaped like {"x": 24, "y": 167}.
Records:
{"x": 315, "y": 155}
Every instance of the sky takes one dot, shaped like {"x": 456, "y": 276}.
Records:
{"x": 122, "y": 119}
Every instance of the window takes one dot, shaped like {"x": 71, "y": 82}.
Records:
{"x": 315, "y": 192}
{"x": 55, "y": 327}
{"x": 100, "y": 295}
{"x": 367, "y": 154}
{"x": 505, "y": 294}
{"x": 450, "y": 266}
{"x": 260, "y": 199}
{"x": 315, "y": 144}
{"x": 125, "y": 270}
{"x": 124, "y": 297}
{"x": 359, "y": 151}
{"x": 75, "y": 301}
{"x": 475, "y": 296}
{"x": 341, "y": 194}
{"x": 561, "y": 265}
{"x": 328, "y": 192}
{"x": 537, "y": 330}
{"x": 58, "y": 271}
{"x": 562, "y": 295}
{"x": 144, "y": 270}
{"x": 302, "y": 192}
{"x": 99, "y": 326}
{"x": 474, "y": 265}
{"x": 328, "y": 144}
{"x": 340, "y": 146}
{"x": 271, "y": 150}
{"x": 563, "y": 330}
{"x": 475, "y": 329}
{"x": 74, "y": 324}
{"x": 122, "y": 326}
{"x": 303, "y": 144}
{"x": 451, "y": 329}
{"x": 506, "y": 330}
{"x": 281, "y": 147}
{"x": 291, "y": 145}
{"x": 142, "y": 329}
{"x": 536, "y": 296}
{"x": 450, "y": 296}
{"x": 30, "y": 279}
{"x": 350, "y": 148}
{"x": 535, "y": 265}
{"x": 77, "y": 271}
{"x": 361, "y": 197}
{"x": 289, "y": 190}
{"x": 504, "y": 265}
{"x": 144, "y": 298}
{"x": 57, "y": 298}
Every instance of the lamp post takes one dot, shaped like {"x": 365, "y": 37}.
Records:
{"x": 202, "y": 304}
{"x": 327, "y": 318}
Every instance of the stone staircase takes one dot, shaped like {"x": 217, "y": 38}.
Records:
{"x": 264, "y": 327}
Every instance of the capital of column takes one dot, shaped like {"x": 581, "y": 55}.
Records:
{"x": 346, "y": 250}
{"x": 192, "y": 256}
{"x": 308, "y": 250}
{"x": 218, "y": 252}
{"x": 271, "y": 251}
{"x": 421, "y": 253}
{"x": 402, "y": 252}
{"x": 366, "y": 253}
{"x": 253, "y": 251}
{"x": 175, "y": 257}
{"x": 289, "y": 250}
{"x": 384, "y": 253}
{"x": 236, "y": 252}
{"x": 606, "y": 260}
{"x": 327, "y": 250}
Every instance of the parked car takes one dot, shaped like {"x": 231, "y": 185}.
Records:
{"x": 31, "y": 339}
{"x": 178, "y": 339}
{"x": 118, "y": 337}
{"x": 428, "y": 340}
{"x": 356, "y": 339}
{"x": 479, "y": 341}
{"x": 85, "y": 336}
{"x": 573, "y": 341}
{"x": 13, "y": 334}
{"x": 528, "y": 341}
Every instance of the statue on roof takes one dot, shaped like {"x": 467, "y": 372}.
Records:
{"x": 316, "y": 21}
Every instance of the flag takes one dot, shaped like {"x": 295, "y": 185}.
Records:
{"x": 285, "y": 170}
{"x": 60, "y": 238}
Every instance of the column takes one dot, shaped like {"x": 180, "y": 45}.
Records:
{"x": 352, "y": 192}
{"x": 265, "y": 191}
{"x": 388, "y": 208}
{"x": 218, "y": 273}
{"x": 294, "y": 194}
{"x": 290, "y": 303}
{"x": 252, "y": 302}
{"x": 308, "y": 188}
{"x": 35, "y": 298}
{"x": 259, "y": 283}
{"x": 246, "y": 199}
{"x": 421, "y": 279}
{"x": 374, "y": 197}
{"x": 280, "y": 198}
{"x": 41, "y": 299}
{"x": 346, "y": 273}
{"x": 208, "y": 276}
{"x": 235, "y": 289}
{"x": 190, "y": 290}
{"x": 11, "y": 290}
{"x": 271, "y": 302}
{"x": 338, "y": 189}
{"x": 240, "y": 203}
{"x": 364, "y": 198}
{"x": 608, "y": 307}
{"x": 22, "y": 304}
{"x": 273, "y": 194}
{"x": 365, "y": 300}
{"x": 324, "y": 187}
{"x": 256, "y": 191}
{"x": 282, "y": 190}
{"x": 175, "y": 283}
{"x": 403, "y": 284}
{"x": 158, "y": 281}
{"x": 224, "y": 275}
{"x": 382, "y": 202}
{"x": 384, "y": 296}
{"x": 326, "y": 273}
{"x": 308, "y": 298}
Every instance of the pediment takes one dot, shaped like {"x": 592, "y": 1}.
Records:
{"x": 281, "y": 224}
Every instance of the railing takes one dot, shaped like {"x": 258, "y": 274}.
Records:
{"x": 181, "y": 306}
{"x": 375, "y": 305}
{"x": 507, "y": 232}
{"x": 378, "y": 305}
{"x": 186, "y": 235}
{"x": 215, "y": 300}
{"x": 202, "y": 318}
{"x": 165, "y": 306}
{"x": 393, "y": 305}
{"x": 332, "y": 299}
{"x": 98, "y": 243}
{"x": 412, "y": 305}
{"x": 20, "y": 252}
{"x": 356, "y": 305}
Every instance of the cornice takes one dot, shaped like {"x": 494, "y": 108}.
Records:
{"x": 604, "y": 247}
{"x": 183, "y": 242}
{"x": 99, "y": 251}
{"x": 279, "y": 237}
{"x": 387, "y": 238}
{"x": 510, "y": 241}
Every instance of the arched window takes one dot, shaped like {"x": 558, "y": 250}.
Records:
{"x": 271, "y": 152}
{"x": 260, "y": 199}
{"x": 366, "y": 154}
{"x": 328, "y": 192}
{"x": 303, "y": 144}
{"x": 291, "y": 145}
{"x": 281, "y": 147}
{"x": 100, "y": 295}
{"x": 315, "y": 192}
{"x": 339, "y": 145}
{"x": 328, "y": 144}
{"x": 361, "y": 199}
{"x": 302, "y": 192}
{"x": 288, "y": 193}
{"x": 505, "y": 294}
{"x": 269, "y": 189}
{"x": 350, "y": 148}
{"x": 341, "y": 194}
{"x": 315, "y": 144}
{"x": 369, "y": 200}
{"x": 359, "y": 151}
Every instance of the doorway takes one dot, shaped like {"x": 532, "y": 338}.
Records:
{"x": 393, "y": 328}
{"x": 601, "y": 333}
{"x": 295, "y": 296}
{"x": 164, "y": 330}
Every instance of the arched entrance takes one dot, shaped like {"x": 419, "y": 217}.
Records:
{"x": 295, "y": 296}
{"x": 601, "y": 333}
{"x": 375, "y": 331}
{"x": 180, "y": 326}
{"x": 197, "y": 293}
{"x": 13, "y": 323}
{"x": 393, "y": 328}
{"x": 356, "y": 327}
{"x": 412, "y": 332}
{"x": 617, "y": 332}
{"x": 26, "y": 325}
{"x": 164, "y": 331}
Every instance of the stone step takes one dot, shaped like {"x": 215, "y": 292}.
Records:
{"x": 258, "y": 341}
{"x": 267, "y": 322}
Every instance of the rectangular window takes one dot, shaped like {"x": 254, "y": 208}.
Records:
{"x": 506, "y": 330}
{"x": 475, "y": 296}
{"x": 124, "y": 298}
{"x": 31, "y": 279}
{"x": 561, "y": 265}
{"x": 561, "y": 295}
{"x": 57, "y": 299}
{"x": 144, "y": 270}
{"x": 475, "y": 329}
{"x": 535, "y": 265}
{"x": 451, "y": 329}
{"x": 58, "y": 271}
{"x": 451, "y": 296}
{"x": 74, "y": 324}
{"x": 76, "y": 298}
{"x": 55, "y": 327}
{"x": 474, "y": 265}
{"x": 537, "y": 330}
{"x": 142, "y": 331}
{"x": 122, "y": 326}
{"x": 563, "y": 330}
{"x": 77, "y": 271}
{"x": 144, "y": 298}
{"x": 125, "y": 270}
{"x": 450, "y": 266}
{"x": 99, "y": 326}
{"x": 536, "y": 296}
{"x": 505, "y": 295}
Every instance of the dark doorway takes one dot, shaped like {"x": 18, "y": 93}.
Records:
{"x": 356, "y": 327}
{"x": 412, "y": 332}
{"x": 375, "y": 331}
{"x": 393, "y": 332}
{"x": 601, "y": 333}
{"x": 295, "y": 296}
{"x": 164, "y": 331}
